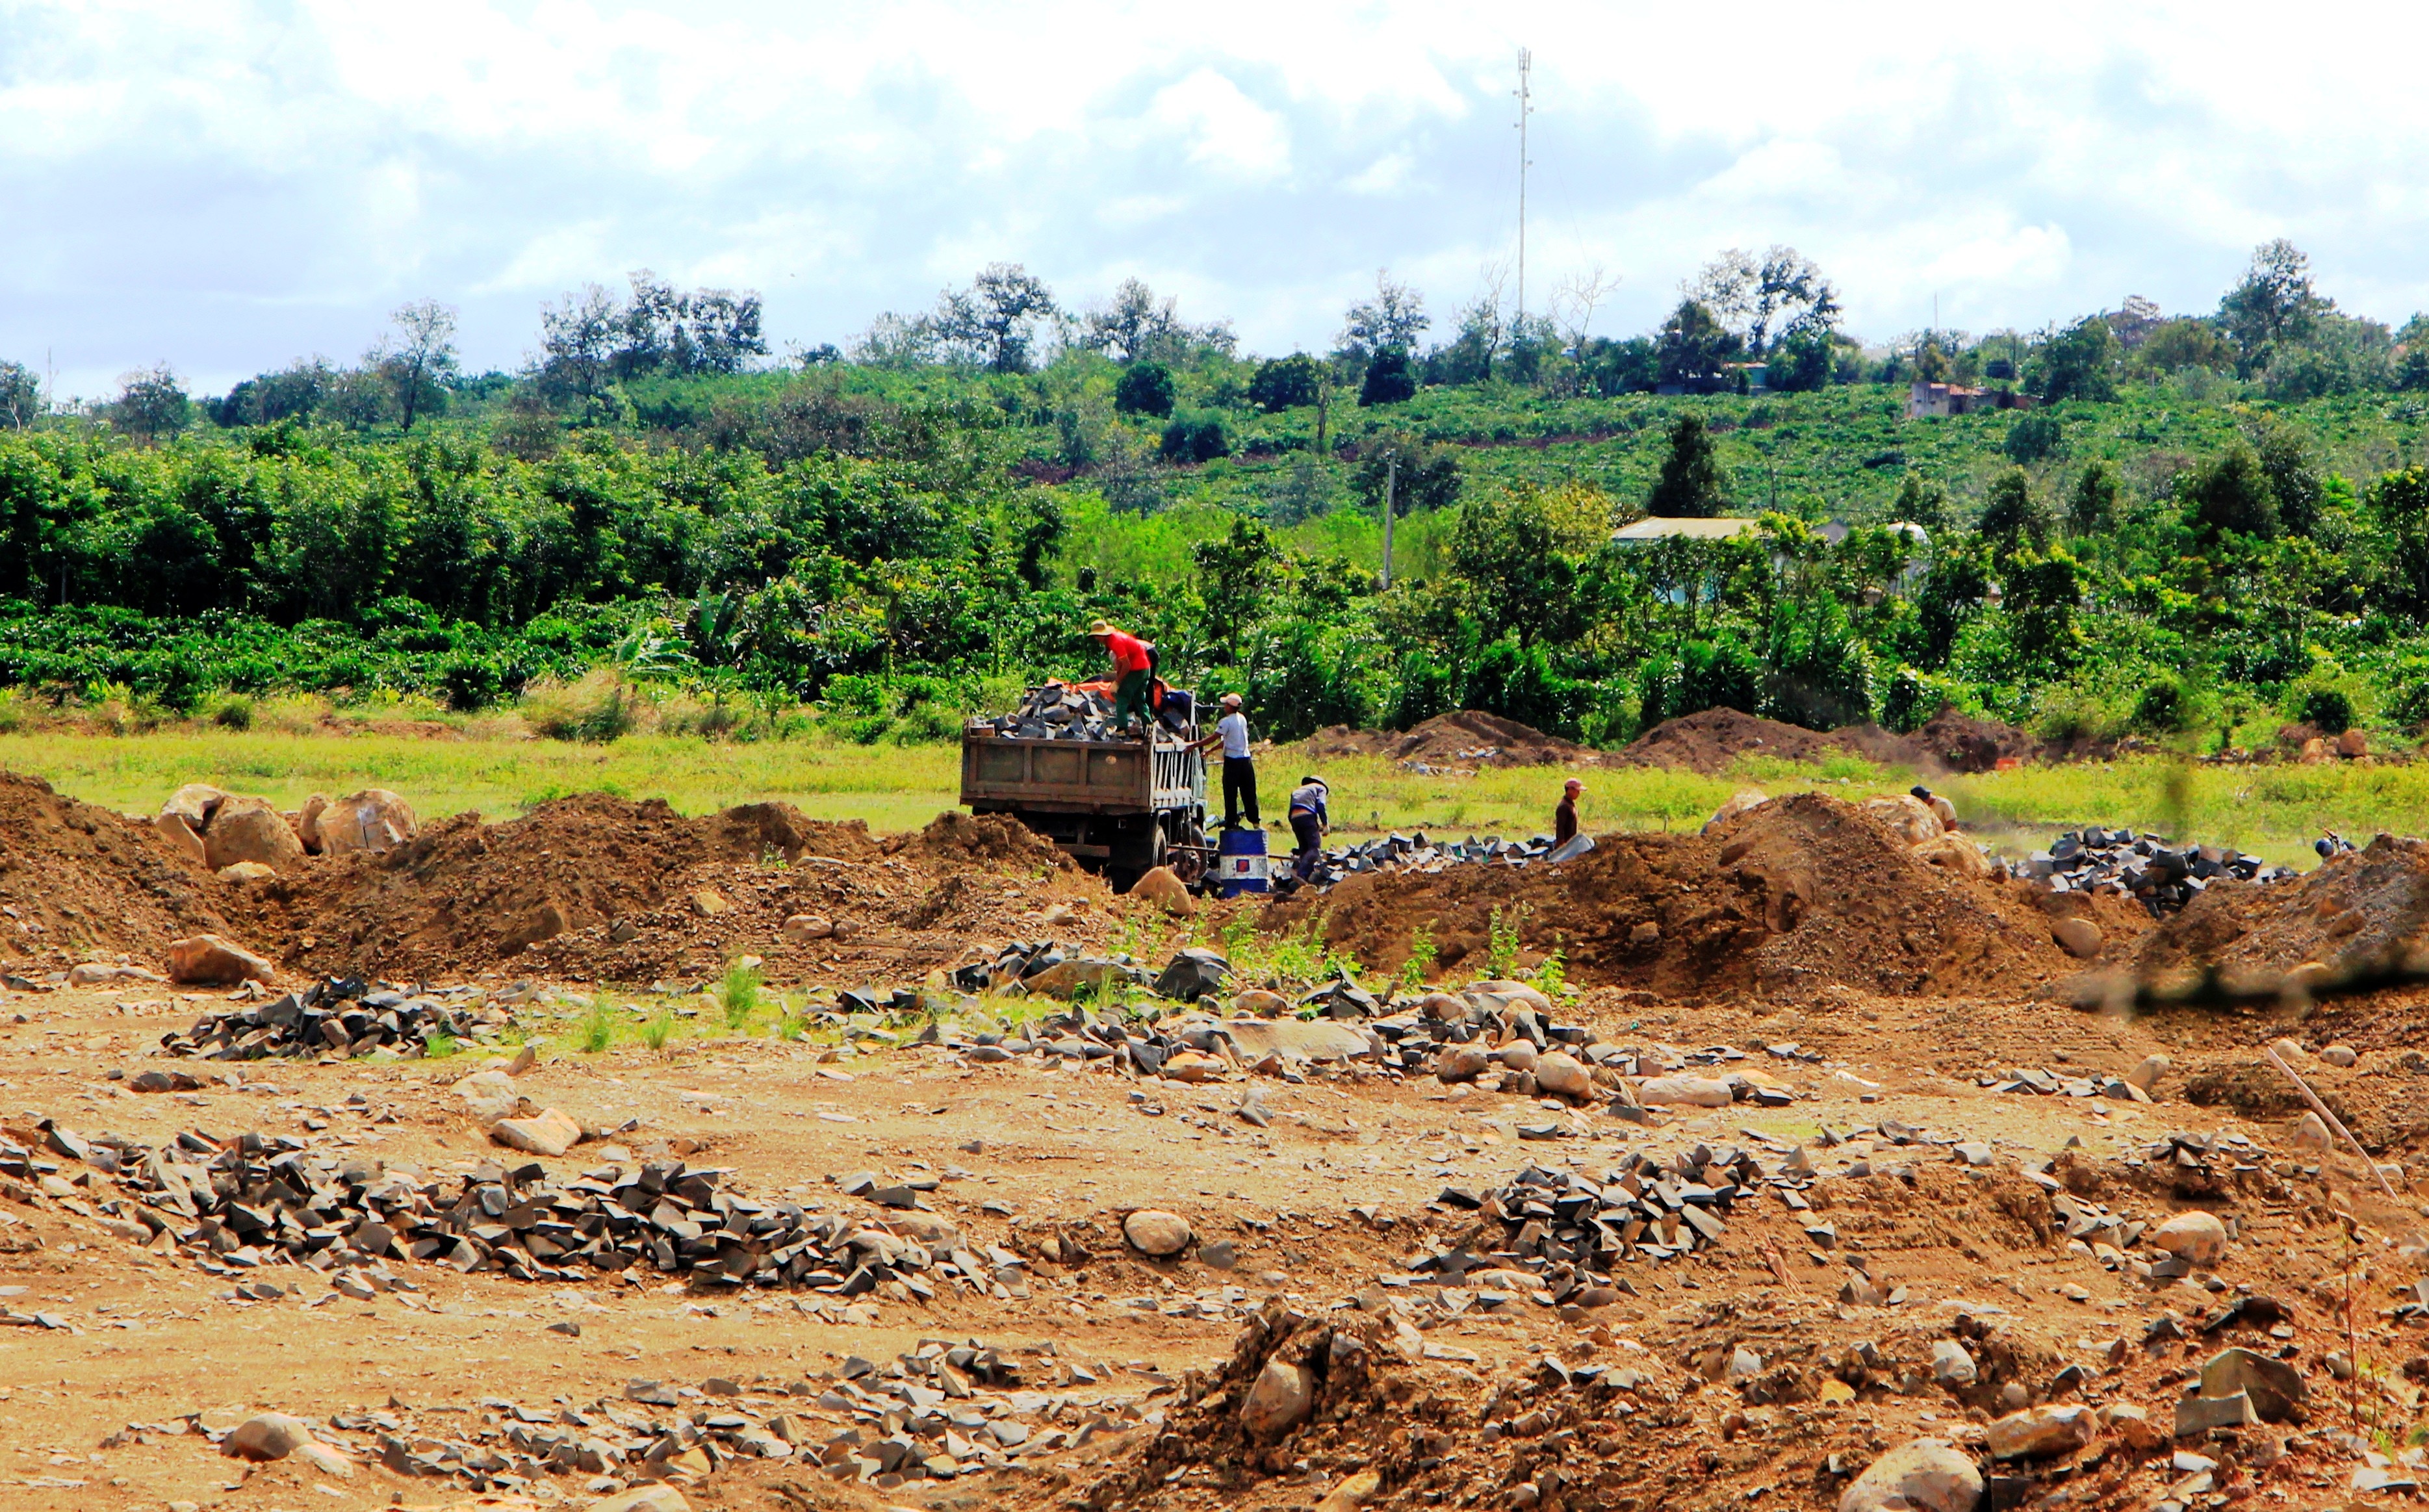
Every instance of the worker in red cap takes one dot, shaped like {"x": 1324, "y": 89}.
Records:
{"x": 1134, "y": 674}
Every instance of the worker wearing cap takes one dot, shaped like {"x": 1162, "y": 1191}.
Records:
{"x": 1308, "y": 820}
{"x": 1134, "y": 674}
{"x": 1239, "y": 770}
{"x": 1565, "y": 818}
{"x": 1943, "y": 809}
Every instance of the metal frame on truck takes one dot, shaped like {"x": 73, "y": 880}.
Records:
{"x": 1122, "y": 807}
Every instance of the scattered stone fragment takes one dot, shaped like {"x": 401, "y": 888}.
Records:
{"x": 2200, "y": 1414}
{"x": 489, "y": 1095}
{"x": 657, "y": 1497}
{"x": 2038, "y": 1432}
{"x": 2340, "y": 1055}
{"x": 2276, "y": 1389}
{"x": 1684, "y": 1091}
{"x": 2147, "y": 1075}
{"x": 1562, "y": 1075}
{"x": 1950, "y": 1364}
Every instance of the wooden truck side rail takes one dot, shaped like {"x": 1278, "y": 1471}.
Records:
{"x": 1080, "y": 776}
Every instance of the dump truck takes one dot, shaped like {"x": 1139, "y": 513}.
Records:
{"x": 1117, "y": 806}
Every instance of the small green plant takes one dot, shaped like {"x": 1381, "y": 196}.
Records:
{"x": 1552, "y": 977}
{"x": 1422, "y": 956}
{"x": 658, "y": 1029}
{"x": 789, "y": 1025}
{"x": 440, "y": 1046}
{"x": 1501, "y": 950}
{"x": 739, "y": 995}
{"x": 596, "y": 1030}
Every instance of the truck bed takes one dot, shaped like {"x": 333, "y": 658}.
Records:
{"x": 1007, "y": 772}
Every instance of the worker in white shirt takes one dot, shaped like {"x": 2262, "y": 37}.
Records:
{"x": 1239, "y": 771}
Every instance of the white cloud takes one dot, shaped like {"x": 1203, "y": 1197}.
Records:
{"x": 231, "y": 182}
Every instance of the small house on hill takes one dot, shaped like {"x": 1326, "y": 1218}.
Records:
{"x": 1928, "y": 400}
{"x": 1658, "y": 528}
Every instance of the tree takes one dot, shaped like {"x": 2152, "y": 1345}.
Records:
{"x": 2232, "y": 493}
{"x": 1427, "y": 479}
{"x": 1236, "y": 577}
{"x": 1691, "y": 486}
{"x": 1389, "y": 380}
{"x": 2275, "y": 302}
{"x": 151, "y": 403}
{"x": 2079, "y": 362}
{"x": 2293, "y": 479}
{"x": 1391, "y": 322}
{"x": 2043, "y": 590}
{"x": 1137, "y": 325}
{"x": 1783, "y": 294}
{"x": 686, "y": 332}
{"x": 1801, "y": 364}
{"x": 996, "y": 318}
{"x": 1145, "y": 388}
{"x": 419, "y": 357}
{"x": 2093, "y": 502}
{"x": 1921, "y": 503}
{"x": 2186, "y": 344}
{"x": 1194, "y": 438}
{"x": 1694, "y": 349}
{"x": 2010, "y": 513}
{"x": 294, "y": 392}
{"x": 1285, "y": 383}
{"x": 577, "y": 341}
{"x": 21, "y": 396}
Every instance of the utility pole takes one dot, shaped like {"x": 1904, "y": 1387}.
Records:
{"x": 1391, "y": 486}
{"x": 1526, "y": 108}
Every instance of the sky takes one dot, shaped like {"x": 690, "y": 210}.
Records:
{"x": 226, "y": 185}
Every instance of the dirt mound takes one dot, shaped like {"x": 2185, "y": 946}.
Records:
{"x": 1951, "y": 742}
{"x": 2365, "y": 908}
{"x": 1800, "y": 894}
{"x": 594, "y": 887}
{"x": 78, "y": 881}
{"x": 1464, "y": 738}
{"x": 1709, "y": 741}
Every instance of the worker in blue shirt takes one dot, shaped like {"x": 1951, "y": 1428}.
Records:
{"x": 1308, "y": 820}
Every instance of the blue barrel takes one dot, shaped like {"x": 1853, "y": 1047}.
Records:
{"x": 1239, "y": 863}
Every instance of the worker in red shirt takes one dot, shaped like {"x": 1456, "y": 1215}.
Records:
{"x": 1134, "y": 674}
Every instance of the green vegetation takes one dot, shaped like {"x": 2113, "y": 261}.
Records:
{"x": 739, "y": 995}
{"x": 2194, "y": 528}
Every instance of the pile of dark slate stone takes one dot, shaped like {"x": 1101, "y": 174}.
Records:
{"x": 335, "y": 1016}
{"x": 1567, "y": 1235}
{"x": 1417, "y": 853}
{"x": 2163, "y": 878}
{"x": 1058, "y": 712}
{"x": 253, "y": 1201}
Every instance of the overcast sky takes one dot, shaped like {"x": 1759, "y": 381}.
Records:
{"x": 229, "y": 185}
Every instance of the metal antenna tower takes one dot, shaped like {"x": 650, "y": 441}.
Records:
{"x": 1526, "y": 108}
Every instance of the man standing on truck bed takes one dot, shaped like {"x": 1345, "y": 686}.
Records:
{"x": 1239, "y": 771}
{"x": 1309, "y": 819}
{"x": 1134, "y": 674}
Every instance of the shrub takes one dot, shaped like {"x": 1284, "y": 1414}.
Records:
{"x": 1194, "y": 438}
{"x": 2034, "y": 435}
{"x": 598, "y": 708}
{"x": 2163, "y": 708}
{"x": 1145, "y": 388}
{"x": 2328, "y": 710}
{"x": 234, "y": 713}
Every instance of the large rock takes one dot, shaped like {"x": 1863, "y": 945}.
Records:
{"x": 194, "y": 803}
{"x": 1193, "y": 974}
{"x": 1953, "y": 854}
{"x": 206, "y": 959}
{"x": 182, "y": 837}
{"x": 371, "y": 820}
{"x": 2276, "y": 1389}
{"x": 2038, "y": 1432}
{"x": 2079, "y": 938}
{"x": 549, "y": 1133}
{"x": 1920, "y": 1475}
{"x": 1065, "y": 978}
{"x": 307, "y": 821}
{"x": 2196, "y": 1237}
{"x": 266, "y": 1437}
{"x": 1523, "y": 994}
{"x": 1564, "y": 1075}
{"x": 1308, "y": 1039}
{"x": 2146, "y": 1075}
{"x": 1683, "y": 1091}
{"x": 652, "y": 1498}
{"x": 1740, "y": 802}
{"x": 1154, "y": 1232}
{"x": 247, "y": 829}
{"x": 1166, "y": 891}
{"x": 1905, "y": 816}
{"x": 1950, "y": 1364}
{"x": 1278, "y": 1401}
{"x": 1462, "y": 1062}
{"x": 491, "y": 1095}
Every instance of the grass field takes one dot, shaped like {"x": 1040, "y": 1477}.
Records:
{"x": 2277, "y": 811}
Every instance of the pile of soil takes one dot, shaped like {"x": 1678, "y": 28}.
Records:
{"x": 1951, "y": 742}
{"x": 1709, "y": 740}
{"x": 1464, "y": 738}
{"x": 1790, "y": 898}
{"x": 2364, "y": 908}
{"x": 594, "y": 887}
{"x": 77, "y": 882}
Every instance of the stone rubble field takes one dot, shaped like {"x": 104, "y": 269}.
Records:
{"x": 1834, "y": 1177}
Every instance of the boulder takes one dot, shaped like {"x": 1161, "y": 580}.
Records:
{"x": 266, "y": 1437}
{"x": 181, "y": 837}
{"x": 1920, "y": 1475}
{"x": 2340, "y": 1056}
{"x": 1518, "y": 1055}
{"x": 1562, "y": 1075}
{"x": 326, "y": 1458}
{"x": 1166, "y": 891}
{"x": 2133, "y": 1424}
{"x": 1261, "y": 1003}
{"x": 1188, "y": 1065}
{"x": 206, "y": 959}
{"x": 2147, "y": 1075}
{"x": 1740, "y": 802}
{"x": 1356, "y": 1491}
{"x": 804, "y": 928}
{"x": 1193, "y": 974}
{"x": 656, "y": 1496}
{"x": 2196, "y": 1238}
{"x": 194, "y": 803}
{"x": 549, "y": 1133}
{"x": 1066, "y": 978}
{"x": 2079, "y": 938}
{"x": 1950, "y": 1364}
{"x": 1278, "y": 1401}
{"x": 371, "y": 820}
{"x": 1953, "y": 854}
{"x": 2276, "y": 1389}
{"x": 1905, "y": 816}
{"x": 2352, "y": 744}
{"x": 1518, "y": 993}
{"x": 2311, "y": 1134}
{"x": 491, "y": 1095}
{"x": 1460, "y": 1062}
{"x": 1683, "y": 1091}
{"x": 1309, "y": 1039}
{"x": 2038, "y": 1432}
{"x": 1156, "y": 1233}
{"x": 245, "y": 828}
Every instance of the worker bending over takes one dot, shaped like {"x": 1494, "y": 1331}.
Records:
{"x": 1134, "y": 674}
{"x": 1308, "y": 820}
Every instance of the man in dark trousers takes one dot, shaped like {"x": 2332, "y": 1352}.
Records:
{"x": 1565, "y": 818}
{"x": 1134, "y": 675}
{"x": 1239, "y": 771}
{"x": 1308, "y": 820}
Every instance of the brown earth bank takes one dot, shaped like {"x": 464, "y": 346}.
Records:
{"x": 1799, "y": 894}
{"x": 1463, "y": 738}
